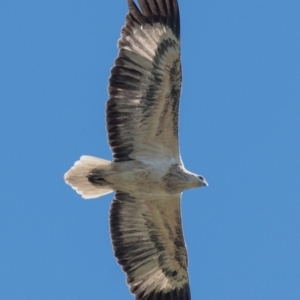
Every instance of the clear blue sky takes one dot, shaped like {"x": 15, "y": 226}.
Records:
{"x": 239, "y": 127}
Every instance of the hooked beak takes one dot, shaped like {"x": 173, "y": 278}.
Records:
{"x": 205, "y": 183}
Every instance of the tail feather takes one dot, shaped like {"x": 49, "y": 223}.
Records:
{"x": 77, "y": 177}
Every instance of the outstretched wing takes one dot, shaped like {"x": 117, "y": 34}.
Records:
{"x": 145, "y": 84}
{"x": 148, "y": 242}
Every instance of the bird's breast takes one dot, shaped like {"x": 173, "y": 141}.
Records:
{"x": 139, "y": 177}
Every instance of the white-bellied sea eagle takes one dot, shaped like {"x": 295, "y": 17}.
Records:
{"x": 147, "y": 173}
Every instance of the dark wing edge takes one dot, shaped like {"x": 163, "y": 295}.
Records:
{"x": 147, "y": 238}
{"x": 138, "y": 77}
{"x": 164, "y": 11}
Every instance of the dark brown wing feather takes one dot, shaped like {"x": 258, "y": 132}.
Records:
{"x": 147, "y": 237}
{"x": 145, "y": 84}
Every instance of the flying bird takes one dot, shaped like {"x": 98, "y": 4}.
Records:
{"x": 147, "y": 173}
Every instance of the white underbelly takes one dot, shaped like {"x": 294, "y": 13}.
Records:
{"x": 137, "y": 177}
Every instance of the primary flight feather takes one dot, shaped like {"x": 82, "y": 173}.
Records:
{"x": 147, "y": 173}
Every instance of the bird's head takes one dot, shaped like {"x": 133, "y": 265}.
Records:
{"x": 201, "y": 181}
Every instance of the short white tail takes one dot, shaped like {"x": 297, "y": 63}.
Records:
{"x": 76, "y": 177}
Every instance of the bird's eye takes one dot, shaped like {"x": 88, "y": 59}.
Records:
{"x": 201, "y": 178}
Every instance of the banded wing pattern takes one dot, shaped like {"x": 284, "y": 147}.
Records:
{"x": 148, "y": 242}
{"x": 142, "y": 123}
{"x": 145, "y": 84}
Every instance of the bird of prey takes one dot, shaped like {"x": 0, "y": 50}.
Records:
{"x": 147, "y": 173}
